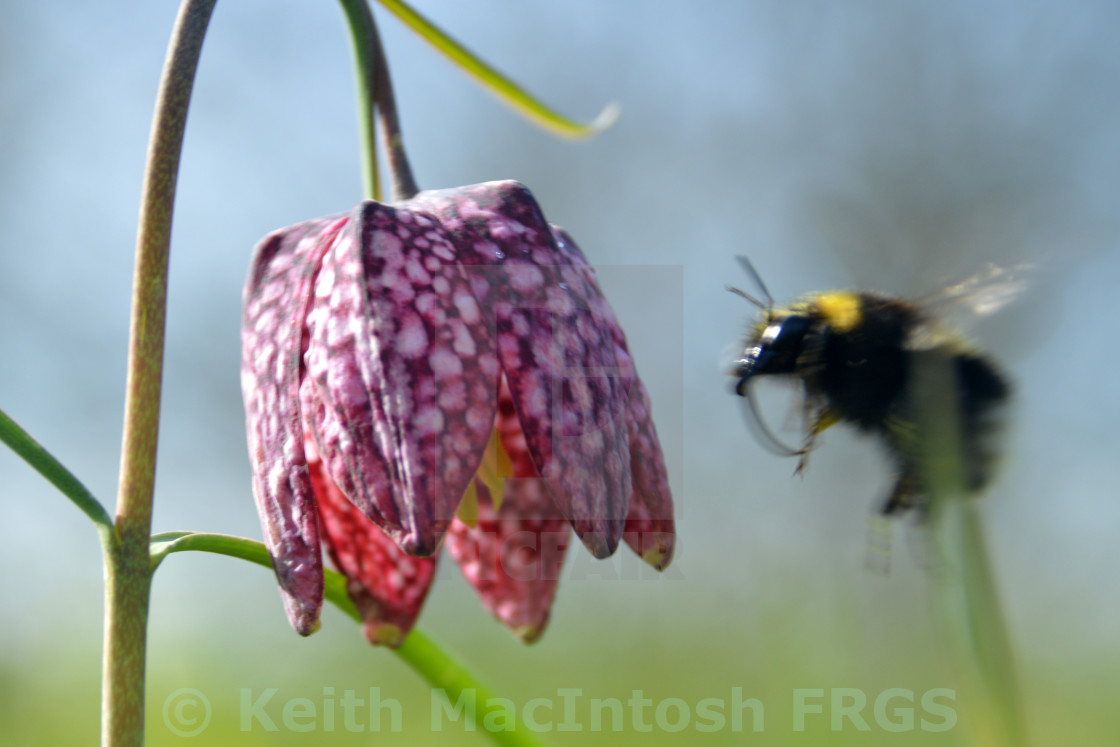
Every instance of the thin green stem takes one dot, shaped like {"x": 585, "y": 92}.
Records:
{"x": 41, "y": 460}
{"x": 458, "y": 685}
{"x": 966, "y": 594}
{"x": 505, "y": 89}
{"x": 991, "y": 644}
{"x": 421, "y": 653}
{"x": 404, "y": 183}
{"x": 363, "y": 37}
{"x": 376, "y": 103}
{"x": 128, "y": 579}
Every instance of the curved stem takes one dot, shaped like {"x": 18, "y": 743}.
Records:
{"x": 376, "y": 102}
{"x": 404, "y": 183}
{"x": 128, "y": 581}
{"x": 363, "y": 37}
{"x": 41, "y": 460}
{"x": 431, "y": 662}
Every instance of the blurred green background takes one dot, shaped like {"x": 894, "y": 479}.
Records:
{"x": 897, "y": 146}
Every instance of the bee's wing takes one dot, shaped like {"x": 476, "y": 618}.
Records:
{"x": 960, "y": 305}
{"x": 955, "y": 309}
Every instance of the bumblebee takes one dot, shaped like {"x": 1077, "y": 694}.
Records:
{"x": 857, "y": 358}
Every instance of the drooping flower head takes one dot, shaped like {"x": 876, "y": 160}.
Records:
{"x": 392, "y": 357}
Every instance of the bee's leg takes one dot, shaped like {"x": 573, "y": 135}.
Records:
{"x": 905, "y": 495}
{"x": 879, "y": 544}
{"x": 822, "y": 420}
{"x": 803, "y": 457}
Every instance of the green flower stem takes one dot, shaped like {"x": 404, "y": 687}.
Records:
{"x": 419, "y": 651}
{"x": 127, "y": 575}
{"x": 505, "y": 89}
{"x": 965, "y": 591}
{"x": 441, "y": 671}
{"x": 377, "y": 102}
{"x": 41, "y": 460}
{"x": 991, "y": 645}
{"x": 363, "y": 36}
{"x": 404, "y": 183}
{"x": 128, "y": 580}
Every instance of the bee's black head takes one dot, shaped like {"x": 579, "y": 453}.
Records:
{"x": 775, "y": 350}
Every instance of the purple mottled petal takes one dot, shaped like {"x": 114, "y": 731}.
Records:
{"x": 650, "y": 530}
{"x": 555, "y": 350}
{"x": 276, "y": 299}
{"x": 342, "y": 430}
{"x": 403, "y": 360}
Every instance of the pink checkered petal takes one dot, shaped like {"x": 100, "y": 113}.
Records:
{"x": 649, "y": 529}
{"x": 556, "y": 352}
{"x": 513, "y": 557}
{"x": 337, "y": 406}
{"x": 386, "y": 585}
{"x": 405, "y": 363}
{"x": 275, "y": 303}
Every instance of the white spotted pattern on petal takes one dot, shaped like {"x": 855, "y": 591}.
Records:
{"x": 404, "y": 320}
{"x": 650, "y": 529}
{"x": 402, "y": 452}
{"x": 276, "y": 299}
{"x": 555, "y": 348}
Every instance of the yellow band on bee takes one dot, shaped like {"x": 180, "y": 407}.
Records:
{"x": 841, "y": 309}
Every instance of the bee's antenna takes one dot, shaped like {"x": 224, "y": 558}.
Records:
{"x": 748, "y": 296}
{"x": 746, "y": 265}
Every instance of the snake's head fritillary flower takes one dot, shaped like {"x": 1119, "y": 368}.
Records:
{"x": 392, "y": 357}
